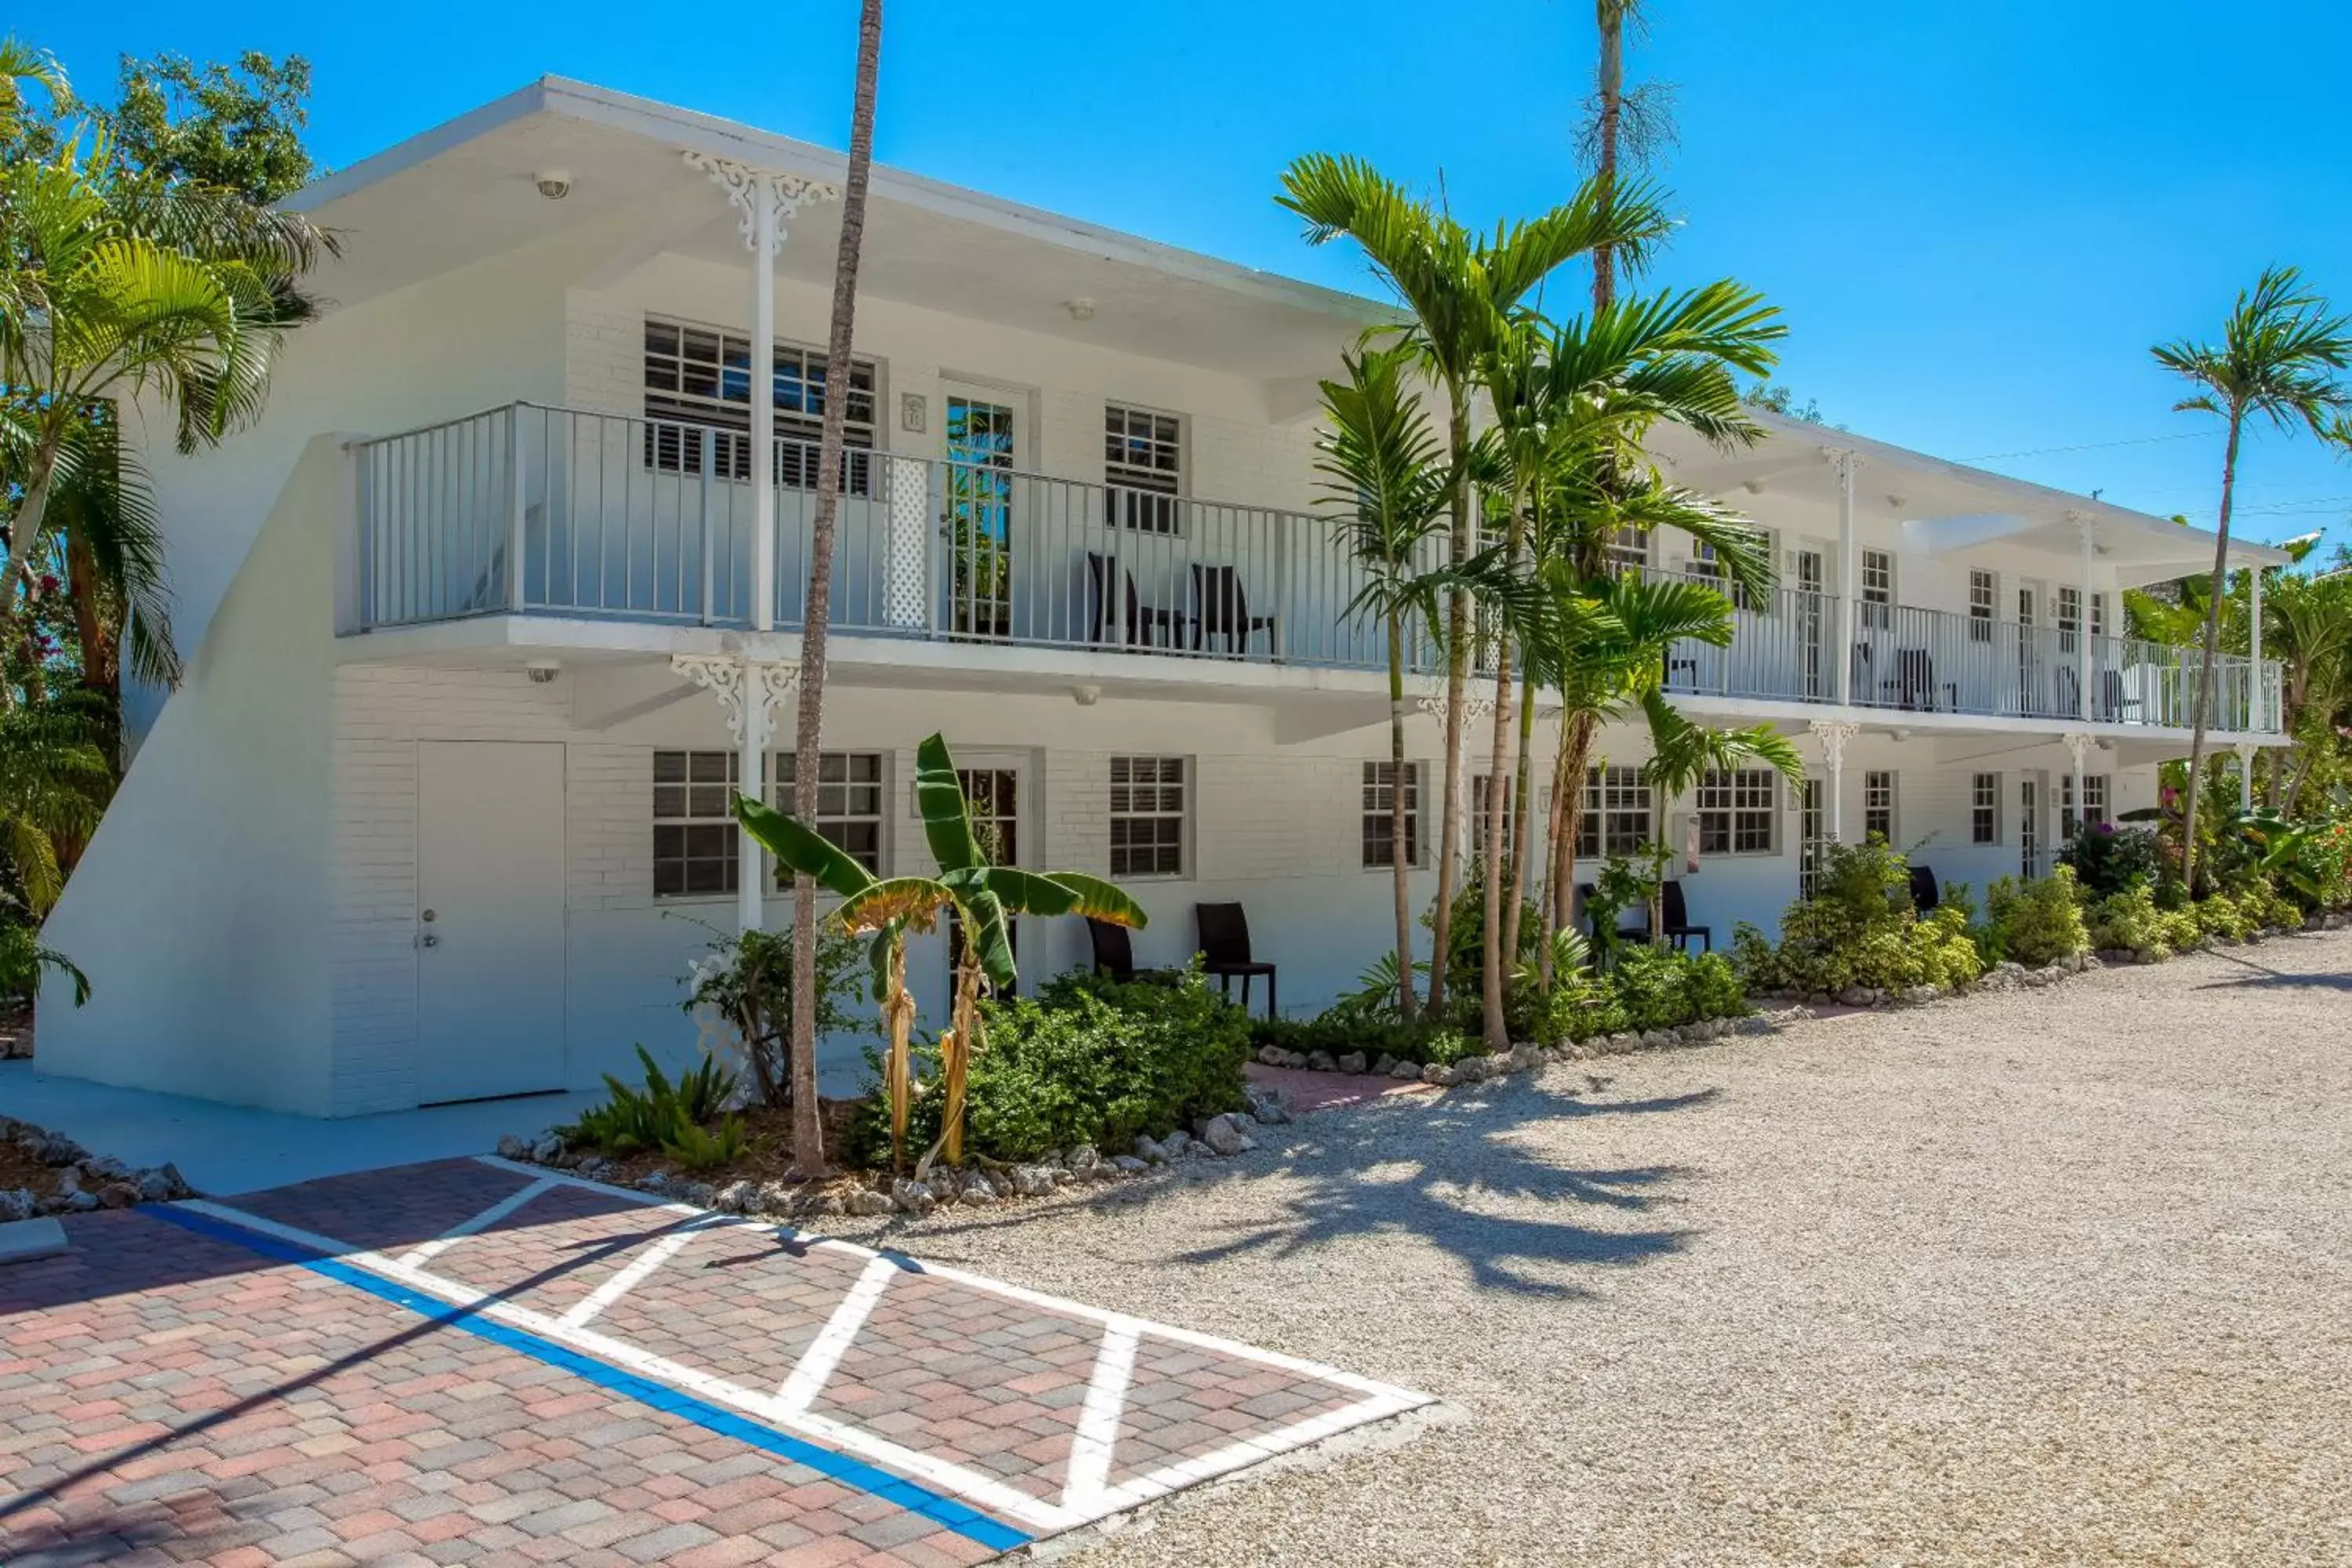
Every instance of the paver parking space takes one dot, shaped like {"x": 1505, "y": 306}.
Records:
{"x": 469, "y": 1361}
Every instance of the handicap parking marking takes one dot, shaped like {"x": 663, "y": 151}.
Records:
{"x": 1030, "y": 1413}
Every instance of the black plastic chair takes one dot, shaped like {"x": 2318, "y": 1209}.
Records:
{"x": 1115, "y": 955}
{"x": 1137, "y": 618}
{"x": 1913, "y": 681}
{"x": 1225, "y": 951}
{"x": 1221, "y": 609}
{"x": 2114, "y": 703}
{"x": 1926, "y": 891}
{"x": 1640, "y": 932}
{"x": 1677, "y": 927}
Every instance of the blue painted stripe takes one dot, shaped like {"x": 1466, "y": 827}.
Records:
{"x": 850, "y": 1472}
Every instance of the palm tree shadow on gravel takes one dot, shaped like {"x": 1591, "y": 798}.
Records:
{"x": 1414, "y": 1166}
{"x": 2260, "y": 977}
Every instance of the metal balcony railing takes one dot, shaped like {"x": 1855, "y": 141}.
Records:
{"x": 539, "y": 511}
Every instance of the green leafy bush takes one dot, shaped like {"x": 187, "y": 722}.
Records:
{"x": 2132, "y": 920}
{"x": 2220, "y": 915}
{"x": 1342, "y": 1028}
{"x": 2111, "y": 860}
{"x": 699, "y": 1150}
{"x": 633, "y": 1122}
{"x": 747, "y": 980}
{"x": 1085, "y": 1061}
{"x": 2036, "y": 921}
{"x": 1859, "y": 929}
{"x": 1659, "y": 988}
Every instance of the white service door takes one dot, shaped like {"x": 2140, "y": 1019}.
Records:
{"x": 489, "y": 919}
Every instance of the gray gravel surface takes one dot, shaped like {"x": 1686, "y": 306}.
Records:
{"x": 2055, "y": 1277}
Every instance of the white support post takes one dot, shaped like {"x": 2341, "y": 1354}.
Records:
{"x": 1849, "y": 575}
{"x": 2078, "y": 745}
{"x": 2083, "y": 641}
{"x": 2247, "y": 750}
{"x": 1833, "y": 733}
{"x": 2255, "y": 716}
{"x": 764, "y": 200}
{"x": 748, "y": 692}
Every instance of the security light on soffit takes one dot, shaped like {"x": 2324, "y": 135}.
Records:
{"x": 553, "y": 183}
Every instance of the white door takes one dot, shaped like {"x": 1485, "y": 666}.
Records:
{"x": 489, "y": 919}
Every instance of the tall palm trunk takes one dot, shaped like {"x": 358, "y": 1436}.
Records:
{"x": 94, "y": 628}
{"x": 24, "y": 529}
{"x": 1567, "y": 821}
{"x": 1457, "y": 683}
{"x": 1495, "y": 964}
{"x": 1522, "y": 814}
{"x": 2212, "y": 645}
{"x": 1609, "y": 81}
{"x": 1400, "y": 841}
{"x": 808, "y": 1133}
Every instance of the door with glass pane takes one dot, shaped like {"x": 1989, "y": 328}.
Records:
{"x": 991, "y": 796}
{"x": 2033, "y": 668}
{"x": 2029, "y": 827}
{"x": 981, "y": 445}
{"x": 1809, "y": 603}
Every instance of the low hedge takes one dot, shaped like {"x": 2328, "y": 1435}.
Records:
{"x": 1085, "y": 1062}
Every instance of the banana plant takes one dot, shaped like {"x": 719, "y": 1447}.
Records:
{"x": 982, "y": 899}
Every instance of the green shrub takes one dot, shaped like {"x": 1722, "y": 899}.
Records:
{"x": 1085, "y": 1061}
{"x": 2111, "y": 860}
{"x": 2220, "y": 915}
{"x": 1659, "y": 988}
{"x": 1346, "y": 1027}
{"x": 2130, "y": 921}
{"x": 2263, "y": 907}
{"x": 2036, "y": 921}
{"x": 630, "y": 1122}
{"x": 697, "y": 1149}
{"x": 1859, "y": 929}
{"x": 747, "y": 980}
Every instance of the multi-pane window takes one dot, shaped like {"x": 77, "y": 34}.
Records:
{"x": 1878, "y": 804}
{"x": 1616, "y": 819}
{"x": 2094, "y": 802}
{"x": 1147, "y": 816}
{"x": 1707, "y": 564}
{"x": 2070, "y": 617}
{"x": 694, "y": 823}
{"x": 1812, "y": 833}
{"x": 1983, "y": 595}
{"x": 2099, "y": 615}
{"x": 849, "y": 797}
{"x": 698, "y": 379}
{"x": 1143, "y": 466}
{"x": 1381, "y": 803}
{"x": 1736, "y": 811}
{"x": 1984, "y": 808}
{"x": 1629, "y": 549}
{"x": 2029, "y": 828}
{"x": 1878, "y": 587}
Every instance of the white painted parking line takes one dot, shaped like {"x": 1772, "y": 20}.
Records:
{"x": 490, "y": 1216}
{"x": 825, "y": 1353}
{"x": 630, "y": 1275}
{"x": 1090, "y": 1451}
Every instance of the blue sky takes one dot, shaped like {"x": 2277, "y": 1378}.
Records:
{"x": 1977, "y": 218}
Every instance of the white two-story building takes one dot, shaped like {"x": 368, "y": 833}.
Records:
{"x": 498, "y": 601}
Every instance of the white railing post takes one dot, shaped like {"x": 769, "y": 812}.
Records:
{"x": 517, "y": 527}
{"x": 2083, "y": 526}
{"x": 1849, "y": 567}
{"x": 707, "y": 444}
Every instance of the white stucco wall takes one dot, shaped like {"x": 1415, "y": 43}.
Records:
{"x": 199, "y": 909}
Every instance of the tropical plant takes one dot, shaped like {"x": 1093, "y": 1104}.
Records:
{"x": 1682, "y": 755}
{"x": 2282, "y": 358}
{"x": 745, "y": 980}
{"x": 808, "y": 1127}
{"x": 981, "y": 898}
{"x": 2036, "y": 920}
{"x": 1463, "y": 291}
{"x": 2109, "y": 858}
{"x": 663, "y": 1113}
{"x": 54, "y": 782}
{"x": 1387, "y": 488}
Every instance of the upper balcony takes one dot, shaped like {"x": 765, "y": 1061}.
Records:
{"x": 533, "y": 511}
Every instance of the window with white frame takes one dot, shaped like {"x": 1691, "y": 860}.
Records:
{"x": 1381, "y": 803}
{"x": 1878, "y": 588}
{"x": 1616, "y": 819}
{"x": 1482, "y": 821}
{"x": 850, "y": 802}
{"x": 1147, "y": 816}
{"x": 2094, "y": 802}
{"x": 694, "y": 823}
{"x": 2070, "y": 617}
{"x": 1629, "y": 550}
{"x": 1143, "y": 467}
{"x": 2099, "y": 615}
{"x": 1984, "y": 594}
{"x": 1812, "y": 835}
{"x": 1707, "y": 563}
{"x": 1878, "y": 804}
{"x": 698, "y": 385}
{"x": 1984, "y": 808}
{"x": 1737, "y": 812}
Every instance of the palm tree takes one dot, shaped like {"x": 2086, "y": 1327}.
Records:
{"x": 1622, "y": 125}
{"x": 808, "y": 1129}
{"x": 54, "y": 782}
{"x": 1461, "y": 290}
{"x": 1682, "y": 754}
{"x": 2282, "y": 356}
{"x": 1388, "y": 487}
{"x": 983, "y": 898}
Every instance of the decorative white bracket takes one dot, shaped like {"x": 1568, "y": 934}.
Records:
{"x": 1844, "y": 462}
{"x": 1833, "y": 733}
{"x": 724, "y": 676}
{"x": 1475, "y": 704}
{"x": 747, "y": 187}
{"x": 2079, "y": 745}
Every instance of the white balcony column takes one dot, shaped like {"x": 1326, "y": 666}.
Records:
{"x": 2254, "y": 705}
{"x": 1833, "y": 733}
{"x": 2084, "y": 528}
{"x": 1849, "y": 583}
{"x": 749, "y": 691}
{"x": 2247, "y": 753}
{"x": 2078, "y": 746}
{"x": 764, "y": 200}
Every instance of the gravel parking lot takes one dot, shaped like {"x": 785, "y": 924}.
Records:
{"x": 2053, "y": 1277}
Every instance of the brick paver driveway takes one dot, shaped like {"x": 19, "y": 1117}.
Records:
{"x": 475, "y": 1362}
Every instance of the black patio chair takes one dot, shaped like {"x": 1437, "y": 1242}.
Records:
{"x": 2113, "y": 702}
{"x": 1113, "y": 956}
{"x": 1221, "y": 609}
{"x": 1926, "y": 891}
{"x": 1676, "y": 925}
{"x": 1137, "y": 618}
{"x": 1639, "y": 932}
{"x": 1225, "y": 952}
{"x": 1913, "y": 681}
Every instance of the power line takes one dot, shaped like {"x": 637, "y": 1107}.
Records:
{"x": 2084, "y": 447}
